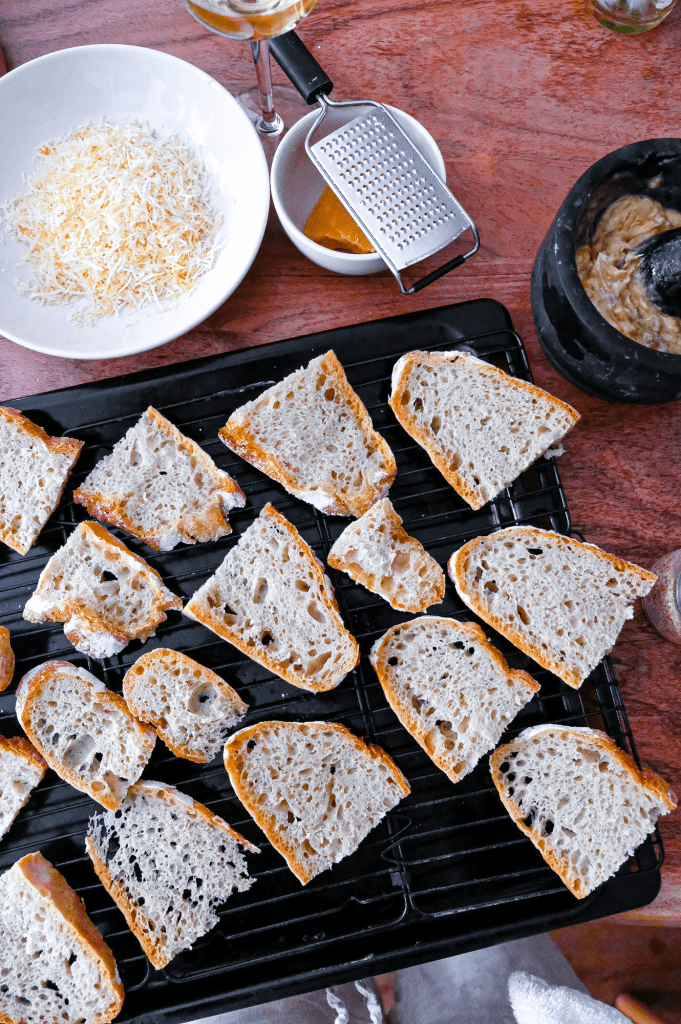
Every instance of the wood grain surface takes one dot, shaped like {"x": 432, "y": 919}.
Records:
{"x": 521, "y": 98}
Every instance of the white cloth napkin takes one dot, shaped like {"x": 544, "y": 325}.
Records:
{"x": 535, "y": 1002}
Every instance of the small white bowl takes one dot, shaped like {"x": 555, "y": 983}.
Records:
{"x": 297, "y": 185}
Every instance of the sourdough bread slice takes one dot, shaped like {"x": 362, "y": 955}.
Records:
{"x": 21, "y": 769}
{"x": 312, "y": 434}
{"x": 84, "y": 731}
{"x": 450, "y": 688}
{"x": 378, "y": 553}
{"x": 481, "y": 427}
{"x": 561, "y": 601}
{"x": 6, "y": 659}
{"x": 271, "y": 599}
{"x": 56, "y": 968}
{"x": 105, "y": 594}
{"x": 191, "y": 708}
{"x": 161, "y": 486}
{"x": 314, "y": 788}
{"x": 168, "y": 863}
{"x": 582, "y": 801}
{"x": 35, "y": 468}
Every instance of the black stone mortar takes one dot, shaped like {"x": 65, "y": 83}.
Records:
{"x": 578, "y": 342}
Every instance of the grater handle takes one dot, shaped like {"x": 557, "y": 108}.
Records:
{"x": 296, "y": 61}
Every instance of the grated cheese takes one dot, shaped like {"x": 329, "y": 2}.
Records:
{"x": 115, "y": 216}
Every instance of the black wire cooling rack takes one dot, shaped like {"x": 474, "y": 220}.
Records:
{"x": 445, "y": 872}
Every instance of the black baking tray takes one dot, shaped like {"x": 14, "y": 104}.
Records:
{"x": 447, "y": 871}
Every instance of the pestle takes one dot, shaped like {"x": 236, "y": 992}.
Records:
{"x": 661, "y": 270}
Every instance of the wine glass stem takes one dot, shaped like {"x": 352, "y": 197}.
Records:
{"x": 268, "y": 123}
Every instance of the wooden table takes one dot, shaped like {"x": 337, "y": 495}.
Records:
{"x": 521, "y": 99}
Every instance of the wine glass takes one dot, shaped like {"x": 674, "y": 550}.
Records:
{"x": 255, "y": 21}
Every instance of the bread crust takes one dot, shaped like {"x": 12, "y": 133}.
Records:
{"x": 55, "y": 891}
{"x": 156, "y": 719}
{"x": 410, "y": 422}
{"x": 201, "y": 613}
{"x": 117, "y": 890}
{"x": 236, "y": 434}
{"x": 207, "y": 524}
{"x": 416, "y": 726}
{"x": 6, "y": 659}
{"x": 234, "y": 763}
{"x": 30, "y": 687}
{"x": 69, "y": 446}
{"x": 544, "y": 658}
{"x": 646, "y": 778}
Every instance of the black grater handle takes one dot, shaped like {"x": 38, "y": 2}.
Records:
{"x": 296, "y": 61}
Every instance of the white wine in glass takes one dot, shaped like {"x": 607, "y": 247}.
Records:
{"x": 255, "y": 21}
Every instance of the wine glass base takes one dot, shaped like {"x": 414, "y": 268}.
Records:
{"x": 288, "y": 103}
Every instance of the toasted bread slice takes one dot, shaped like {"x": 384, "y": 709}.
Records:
{"x": 21, "y": 769}
{"x": 378, "y": 553}
{"x": 314, "y": 788}
{"x": 481, "y": 427}
{"x": 56, "y": 967}
{"x": 582, "y": 801}
{"x": 312, "y": 434}
{"x": 191, "y": 708}
{"x": 6, "y": 659}
{"x": 35, "y": 470}
{"x": 84, "y": 731}
{"x": 161, "y": 486}
{"x": 168, "y": 863}
{"x": 561, "y": 601}
{"x": 271, "y": 599}
{"x": 450, "y": 688}
{"x": 105, "y": 594}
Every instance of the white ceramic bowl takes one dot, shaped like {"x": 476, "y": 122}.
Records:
{"x": 297, "y": 185}
{"x": 52, "y": 96}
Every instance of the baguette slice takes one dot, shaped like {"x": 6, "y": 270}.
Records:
{"x": 6, "y": 659}
{"x": 35, "y": 468}
{"x": 191, "y": 708}
{"x": 272, "y": 600}
{"x": 84, "y": 731}
{"x": 314, "y": 788}
{"x": 56, "y": 967}
{"x": 105, "y": 595}
{"x": 450, "y": 688}
{"x": 378, "y": 553}
{"x": 481, "y": 427}
{"x": 161, "y": 486}
{"x": 312, "y": 434}
{"x": 558, "y": 600}
{"x": 582, "y": 801}
{"x": 168, "y": 863}
{"x": 21, "y": 769}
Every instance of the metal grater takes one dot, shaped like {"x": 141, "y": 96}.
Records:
{"x": 398, "y": 200}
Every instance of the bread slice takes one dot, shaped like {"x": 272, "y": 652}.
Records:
{"x": 84, "y": 731}
{"x": 314, "y": 788}
{"x": 56, "y": 967}
{"x": 105, "y": 595}
{"x": 6, "y": 659}
{"x": 582, "y": 801}
{"x": 378, "y": 553}
{"x": 312, "y": 434}
{"x": 272, "y": 600}
{"x": 161, "y": 486}
{"x": 561, "y": 601}
{"x": 21, "y": 769}
{"x": 191, "y": 708}
{"x": 481, "y": 427}
{"x": 168, "y": 863}
{"x": 35, "y": 468}
{"x": 450, "y": 688}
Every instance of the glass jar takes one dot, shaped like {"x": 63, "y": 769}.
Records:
{"x": 663, "y": 604}
{"x": 629, "y": 16}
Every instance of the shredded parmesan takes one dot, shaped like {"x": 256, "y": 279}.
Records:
{"x": 114, "y": 216}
